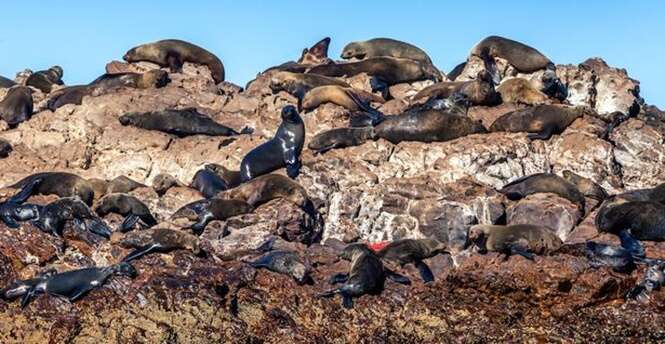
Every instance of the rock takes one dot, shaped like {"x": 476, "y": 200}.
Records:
{"x": 615, "y": 91}
{"x": 641, "y": 153}
{"x": 550, "y": 210}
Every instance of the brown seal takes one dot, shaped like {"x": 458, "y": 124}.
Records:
{"x": 44, "y": 80}
{"x": 337, "y": 95}
{"x": 126, "y": 205}
{"x": 62, "y": 184}
{"x": 521, "y": 56}
{"x": 543, "y": 183}
{"x": 184, "y": 122}
{"x": 389, "y": 70}
{"x": 156, "y": 240}
{"x": 16, "y": 107}
{"x": 644, "y": 219}
{"x": 206, "y": 210}
{"x": 541, "y": 122}
{"x": 524, "y": 240}
{"x": 414, "y": 251}
{"x": 377, "y": 47}
{"x": 520, "y": 91}
{"x": 479, "y": 91}
{"x": 298, "y": 84}
{"x": 587, "y": 186}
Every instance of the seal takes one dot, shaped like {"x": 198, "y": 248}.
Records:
{"x": 644, "y": 219}
{"x": 5, "y": 148}
{"x": 44, "y": 80}
{"x": 285, "y": 262}
{"x": 283, "y": 150}
{"x": 586, "y": 186}
{"x": 525, "y": 240}
{"x": 19, "y": 288}
{"x": 163, "y": 182}
{"x": 616, "y": 257}
{"x": 6, "y": 83}
{"x": 653, "y": 279}
{"x": 208, "y": 183}
{"x": 73, "y": 284}
{"x": 456, "y": 71}
{"x": 156, "y": 240}
{"x": 378, "y": 47}
{"x": 230, "y": 178}
{"x": 120, "y": 184}
{"x": 182, "y": 123}
{"x": 367, "y": 275}
{"x": 63, "y": 184}
{"x": 520, "y": 91}
{"x": 53, "y": 216}
{"x": 543, "y": 183}
{"x": 479, "y": 91}
{"x": 541, "y": 122}
{"x": 521, "y": 56}
{"x": 316, "y": 55}
{"x": 298, "y": 84}
{"x": 389, "y": 70}
{"x": 16, "y": 107}
{"x": 12, "y": 209}
{"x": 173, "y": 53}
{"x": 129, "y": 206}
{"x": 340, "y": 138}
{"x": 68, "y": 95}
{"x": 339, "y": 96}
{"x": 204, "y": 211}
{"x": 413, "y": 251}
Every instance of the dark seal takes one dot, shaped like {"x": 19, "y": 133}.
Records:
{"x": 62, "y": 184}
{"x": 414, "y": 251}
{"x": 129, "y": 206}
{"x": 543, "y": 183}
{"x": 185, "y": 122}
{"x": 204, "y": 211}
{"x": 17, "y": 106}
{"x": 44, "y": 80}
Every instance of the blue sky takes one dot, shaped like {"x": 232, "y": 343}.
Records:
{"x": 250, "y": 36}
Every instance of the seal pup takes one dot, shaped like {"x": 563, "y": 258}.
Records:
{"x": 413, "y": 251}
{"x": 283, "y": 150}
{"x": 44, "y": 80}
{"x": 525, "y": 240}
{"x": 644, "y": 219}
{"x": 129, "y": 206}
{"x": 16, "y": 107}
{"x": 543, "y": 183}
{"x": 298, "y": 84}
{"x": 12, "y": 209}
{"x": 521, "y": 56}
{"x": 208, "y": 183}
{"x": 339, "y": 96}
{"x": 156, "y": 240}
{"x": 173, "y": 53}
{"x": 73, "y": 284}
{"x": 585, "y": 185}
{"x": 389, "y": 70}
{"x": 206, "y": 210}
{"x": 53, "y": 216}
{"x": 366, "y": 275}
{"x": 63, "y": 184}
{"x": 378, "y": 47}
{"x": 5, "y": 148}
{"x": 479, "y": 91}
{"x": 285, "y": 262}
{"x": 541, "y": 122}
{"x": 182, "y": 123}
{"x": 520, "y": 91}
{"x": 6, "y": 83}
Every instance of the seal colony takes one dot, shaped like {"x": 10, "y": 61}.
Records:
{"x": 278, "y": 169}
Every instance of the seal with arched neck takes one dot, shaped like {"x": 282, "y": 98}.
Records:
{"x": 6, "y": 83}
{"x": 367, "y": 275}
{"x": 283, "y": 150}
{"x": 231, "y": 178}
{"x": 53, "y": 216}
{"x": 541, "y": 122}
{"x": 156, "y": 240}
{"x": 285, "y": 262}
{"x": 414, "y": 251}
{"x": 390, "y": 70}
{"x": 17, "y": 106}
{"x": 543, "y": 183}
{"x": 204, "y": 211}
{"x": 181, "y": 123}
{"x": 521, "y": 56}
{"x": 163, "y": 182}
{"x": 525, "y": 240}
{"x": 63, "y": 184}
{"x": 173, "y": 53}
{"x": 479, "y": 91}
{"x": 377, "y": 47}
{"x": 44, "y": 80}
{"x": 128, "y": 206}
{"x": 71, "y": 285}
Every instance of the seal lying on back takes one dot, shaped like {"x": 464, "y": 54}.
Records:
{"x": 204, "y": 211}
{"x": 541, "y": 122}
{"x": 181, "y": 123}
{"x": 156, "y": 240}
{"x": 384, "y": 47}
{"x": 173, "y": 53}
{"x": 44, "y": 80}
{"x": 524, "y": 240}
{"x": 53, "y": 216}
{"x": 366, "y": 276}
{"x": 542, "y": 183}
{"x": 283, "y": 150}
{"x": 71, "y": 285}
{"x": 62, "y": 184}
{"x": 129, "y": 206}
{"x": 390, "y": 70}
{"x": 285, "y": 262}
{"x": 413, "y": 251}
{"x": 337, "y": 95}
{"x": 645, "y": 220}
{"x": 479, "y": 91}
{"x": 297, "y": 84}
{"x": 523, "y": 57}
{"x": 16, "y": 107}
{"x": 6, "y": 83}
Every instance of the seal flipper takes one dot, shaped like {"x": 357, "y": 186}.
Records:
{"x": 425, "y": 272}
{"x": 522, "y": 252}
{"x": 28, "y": 296}
{"x": 141, "y": 251}
{"x": 347, "y": 301}
{"x": 9, "y": 221}
{"x": 204, "y": 219}
{"x": 631, "y": 244}
{"x": 99, "y": 227}
{"x": 397, "y": 278}
{"x": 338, "y": 278}
{"x": 128, "y": 223}
{"x": 175, "y": 62}
{"x": 25, "y": 192}
{"x": 375, "y": 115}
{"x": 292, "y": 163}
{"x": 544, "y": 134}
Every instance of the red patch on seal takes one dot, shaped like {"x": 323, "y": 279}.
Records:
{"x": 377, "y": 246}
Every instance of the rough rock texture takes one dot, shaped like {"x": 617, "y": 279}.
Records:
{"x": 373, "y": 192}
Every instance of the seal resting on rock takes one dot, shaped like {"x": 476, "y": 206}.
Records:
{"x": 645, "y": 220}
{"x": 16, "y": 107}
{"x": 181, "y": 123}
{"x": 521, "y": 56}
{"x": 339, "y": 96}
{"x": 413, "y": 251}
{"x": 284, "y": 262}
{"x": 520, "y": 91}
{"x": 543, "y": 183}
{"x": 479, "y": 91}
{"x": 129, "y": 206}
{"x": 173, "y": 53}
{"x": 389, "y": 70}
{"x": 585, "y": 185}
{"x": 44, "y": 80}
{"x": 377, "y": 47}
{"x": 156, "y": 240}
{"x": 12, "y": 210}
{"x": 204, "y": 211}
{"x": 53, "y": 216}
{"x": 298, "y": 84}
{"x": 63, "y": 184}
{"x": 525, "y": 240}
{"x": 541, "y": 122}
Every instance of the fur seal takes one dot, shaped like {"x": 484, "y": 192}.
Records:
{"x": 479, "y": 91}
{"x": 340, "y": 138}
{"x": 317, "y": 54}
{"x": 298, "y": 84}
{"x": 208, "y": 183}
{"x": 267, "y": 187}
{"x": 6, "y": 83}
{"x": 542, "y": 183}
{"x": 653, "y": 279}
{"x": 230, "y": 178}
{"x": 73, "y": 284}
{"x": 616, "y": 257}
{"x": 53, "y": 216}
{"x": 337, "y": 95}
{"x": 413, "y": 251}
{"x": 12, "y": 209}
{"x": 521, "y": 56}
{"x": 525, "y": 240}
{"x": 62, "y": 184}
{"x": 129, "y": 206}
{"x": 586, "y": 186}
{"x": 206, "y": 210}
{"x": 366, "y": 275}
{"x": 644, "y": 219}
{"x": 156, "y": 240}
{"x": 285, "y": 262}
{"x": 283, "y": 150}
{"x": 163, "y": 182}
{"x": 520, "y": 91}
{"x": 389, "y": 70}
{"x": 5, "y": 148}
{"x": 16, "y": 107}
{"x": 173, "y": 53}
{"x": 456, "y": 71}
{"x": 44, "y": 80}
{"x": 378, "y": 47}
{"x": 541, "y": 122}
{"x": 181, "y": 123}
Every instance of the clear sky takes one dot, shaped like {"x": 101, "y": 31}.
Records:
{"x": 250, "y": 36}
